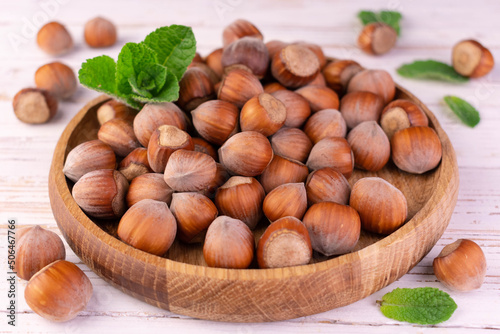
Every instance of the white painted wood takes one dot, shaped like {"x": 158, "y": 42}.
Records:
{"x": 429, "y": 30}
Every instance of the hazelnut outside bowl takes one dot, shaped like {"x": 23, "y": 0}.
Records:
{"x": 184, "y": 284}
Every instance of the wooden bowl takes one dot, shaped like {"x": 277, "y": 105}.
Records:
{"x": 182, "y": 283}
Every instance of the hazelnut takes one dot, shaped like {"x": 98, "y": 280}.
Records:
{"x": 297, "y": 107}
{"x": 377, "y": 38}
{"x": 461, "y": 265}
{"x": 197, "y": 58}
{"x": 246, "y": 153}
{"x": 471, "y": 59}
{"x": 152, "y": 115}
{"x": 332, "y": 152}
{"x": 249, "y": 53}
{"x": 319, "y": 97}
{"x": 274, "y": 47}
{"x": 291, "y": 143}
{"x": 273, "y": 87}
{"x": 319, "y": 80}
{"x": 213, "y": 60}
{"x": 295, "y": 66}
{"x": 416, "y": 149}
{"x": 334, "y": 228}
{"x": 101, "y": 193}
{"x": 285, "y": 243}
{"x": 401, "y": 114}
{"x": 35, "y": 248}
{"x": 376, "y": 81}
{"x": 357, "y": 107}
{"x": 216, "y": 120}
{"x": 56, "y": 78}
{"x": 88, "y": 156}
{"x": 195, "y": 88}
{"x": 327, "y": 185}
{"x": 115, "y": 109}
{"x": 289, "y": 199}
{"x": 54, "y": 39}
{"x": 282, "y": 170}
{"x": 59, "y": 291}
{"x": 34, "y": 106}
{"x": 190, "y": 171}
{"x": 381, "y": 206}
{"x": 201, "y": 145}
{"x": 239, "y": 86}
{"x": 149, "y": 186}
{"x": 100, "y": 33}
{"x": 149, "y": 226}
{"x": 241, "y": 198}
{"x": 163, "y": 142}
{"x": 370, "y": 146}
{"x": 207, "y": 72}
{"x": 338, "y": 74}
{"x": 135, "y": 164}
{"x": 325, "y": 123}
{"x": 193, "y": 212}
{"x": 221, "y": 176}
{"x": 318, "y": 51}
{"x": 263, "y": 113}
{"x": 229, "y": 243}
{"x": 238, "y": 29}
{"x": 119, "y": 135}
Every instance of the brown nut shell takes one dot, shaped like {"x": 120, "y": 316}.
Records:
{"x": 216, "y": 120}
{"x": 272, "y": 87}
{"x": 135, "y": 164}
{"x": 54, "y": 39}
{"x": 115, "y": 109}
{"x": 149, "y": 186}
{"x": 291, "y": 143}
{"x": 332, "y": 152}
{"x": 319, "y": 97}
{"x": 289, "y": 199}
{"x": 471, "y": 59}
{"x": 327, "y": 185}
{"x": 119, "y": 135}
{"x": 213, "y": 60}
{"x": 263, "y": 113}
{"x": 370, "y": 146}
{"x": 297, "y": 107}
{"x": 247, "y": 52}
{"x": 357, "y": 107}
{"x": 195, "y": 88}
{"x": 201, "y": 145}
{"x": 56, "y": 78}
{"x": 377, "y": 38}
{"x": 325, "y": 123}
{"x": 163, "y": 142}
{"x": 401, "y": 114}
{"x": 34, "y": 106}
{"x": 100, "y": 33}
{"x": 338, "y": 74}
{"x": 282, "y": 170}
{"x": 239, "y": 29}
{"x": 295, "y": 66}
{"x": 88, "y": 156}
{"x": 239, "y": 86}
{"x": 376, "y": 81}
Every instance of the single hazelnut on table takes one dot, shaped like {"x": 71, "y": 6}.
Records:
{"x": 239, "y": 29}
{"x": 229, "y": 243}
{"x": 100, "y": 33}
{"x": 216, "y": 120}
{"x": 416, "y": 149}
{"x": 332, "y": 152}
{"x": 471, "y": 59}
{"x": 149, "y": 226}
{"x": 119, "y": 134}
{"x": 115, "y": 109}
{"x": 101, "y": 193}
{"x": 246, "y": 153}
{"x": 88, "y": 156}
{"x": 291, "y": 143}
{"x": 289, "y": 199}
{"x": 274, "y": 47}
{"x": 461, "y": 266}
{"x": 272, "y": 87}
{"x": 285, "y": 243}
{"x": 263, "y": 113}
{"x": 333, "y": 228}
{"x": 36, "y": 247}
{"x": 327, "y": 185}
{"x": 377, "y": 38}
{"x": 149, "y": 186}
{"x": 319, "y": 97}
{"x": 357, "y": 107}
{"x": 249, "y": 53}
{"x": 54, "y": 39}
{"x": 59, "y": 291}
{"x": 163, "y": 142}
{"x": 201, "y": 145}
{"x": 56, "y": 78}
{"x": 381, "y": 206}
{"x": 135, "y": 164}
{"x": 213, "y": 60}
{"x": 376, "y": 81}
{"x": 325, "y": 123}
{"x": 318, "y": 51}
{"x": 370, "y": 146}
{"x": 239, "y": 86}
{"x": 338, "y": 73}
{"x": 195, "y": 87}
{"x": 295, "y": 66}
{"x": 241, "y": 198}
{"x": 34, "y": 106}
{"x": 401, "y": 114}
{"x": 297, "y": 107}
{"x": 282, "y": 170}
{"x": 193, "y": 212}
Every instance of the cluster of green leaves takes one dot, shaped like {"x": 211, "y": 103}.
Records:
{"x": 148, "y": 71}
{"x": 391, "y": 18}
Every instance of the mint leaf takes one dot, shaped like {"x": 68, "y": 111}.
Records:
{"x": 99, "y": 74}
{"x": 175, "y": 46}
{"x": 390, "y": 18}
{"x": 132, "y": 60}
{"x": 420, "y": 305}
{"x": 467, "y": 113}
{"x": 431, "y": 69}
{"x": 169, "y": 92}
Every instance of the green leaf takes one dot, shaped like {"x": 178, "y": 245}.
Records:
{"x": 420, "y": 305}
{"x": 99, "y": 74}
{"x": 431, "y": 69}
{"x": 467, "y": 113}
{"x": 169, "y": 92}
{"x": 175, "y": 46}
{"x": 390, "y": 18}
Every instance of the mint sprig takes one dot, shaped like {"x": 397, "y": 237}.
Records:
{"x": 145, "y": 72}
{"x": 466, "y": 112}
{"x": 431, "y": 69}
{"x": 426, "y": 306}
{"x": 391, "y": 18}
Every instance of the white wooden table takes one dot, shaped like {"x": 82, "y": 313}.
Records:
{"x": 429, "y": 30}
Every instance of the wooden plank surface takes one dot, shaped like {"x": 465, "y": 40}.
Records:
{"x": 429, "y": 30}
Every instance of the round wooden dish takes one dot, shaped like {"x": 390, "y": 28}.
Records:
{"x": 182, "y": 283}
